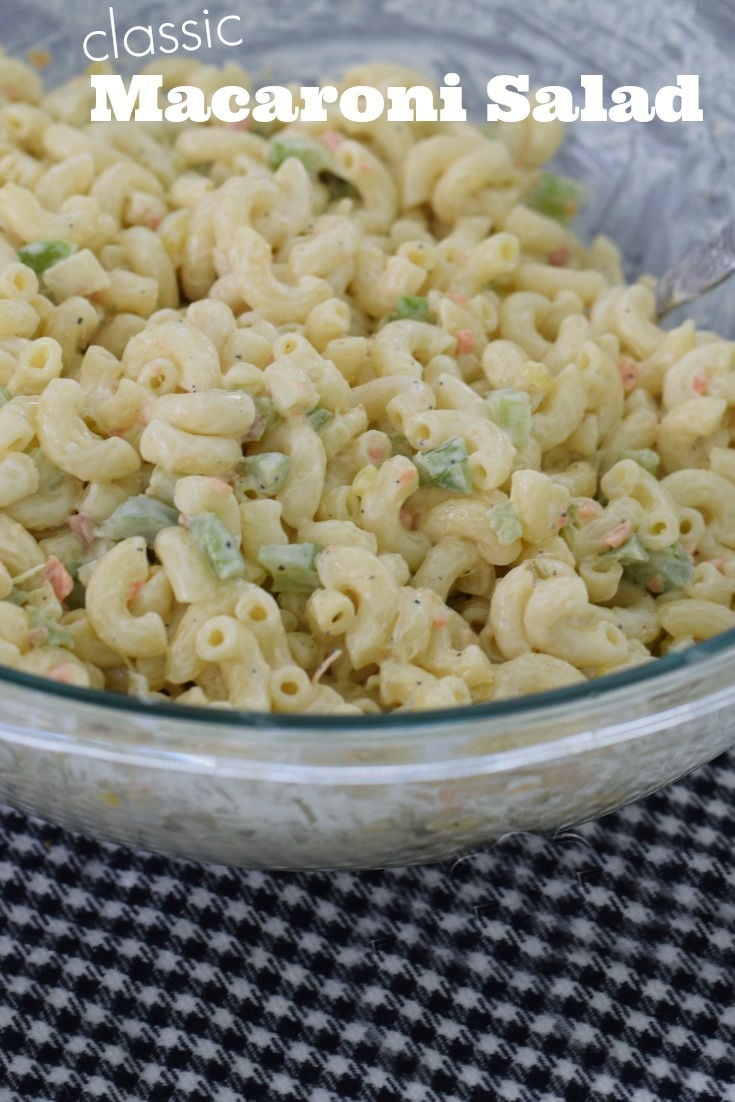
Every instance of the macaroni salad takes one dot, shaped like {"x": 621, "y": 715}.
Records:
{"x": 337, "y": 417}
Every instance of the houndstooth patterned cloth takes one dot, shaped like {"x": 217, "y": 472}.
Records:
{"x": 597, "y": 966}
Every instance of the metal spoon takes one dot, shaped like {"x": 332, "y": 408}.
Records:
{"x": 702, "y": 267}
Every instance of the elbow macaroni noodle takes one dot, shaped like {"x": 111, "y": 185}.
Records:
{"x": 314, "y": 418}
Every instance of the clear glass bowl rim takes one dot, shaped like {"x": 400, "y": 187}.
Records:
{"x": 429, "y": 723}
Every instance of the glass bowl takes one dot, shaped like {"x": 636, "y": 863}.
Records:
{"x": 305, "y": 792}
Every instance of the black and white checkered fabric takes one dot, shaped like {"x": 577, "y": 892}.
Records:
{"x": 597, "y": 966}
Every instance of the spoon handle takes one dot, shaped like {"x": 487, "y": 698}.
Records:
{"x": 705, "y": 265}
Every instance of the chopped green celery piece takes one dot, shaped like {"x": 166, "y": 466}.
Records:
{"x": 629, "y": 553}
{"x": 318, "y": 417}
{"x": 411, "y": 307}
{"x": 161, "y": 486}
{"x": 555, "y": 196}
{"x": 266, "y": 416}
{"x": 218, "y": 544}
{"x": 5, "y": 395}
{"x": 337, "y": 186}
{"x": 292, "y": 566}
{"x": 313, "y": 157}
{"x": 505, "y": 522}
{"x": 263, "y": 474}
{"x": 663, "y": 571}
{"x": 41, "y": 255}
{"x": 445, "y": 466}
{"x": 400, "y": 445}
{"x": 510, "y": 409}
{"x": 138, "y": 516}
{"x": 56, "y": 635}
{"x": 645, "y": 457}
